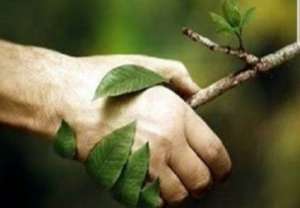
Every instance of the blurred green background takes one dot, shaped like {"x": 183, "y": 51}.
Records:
{"x": 258, "y": 121}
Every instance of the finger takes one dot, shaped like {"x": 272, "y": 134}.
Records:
{"x": 191, "y": 170}
{"x": 158, "y": 170}
{"x": 184, "y": 85}
{"x": 172, "y": 190}
{"x": 207, "y": 145}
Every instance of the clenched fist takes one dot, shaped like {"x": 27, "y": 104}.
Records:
{"x": 42, "y": 87}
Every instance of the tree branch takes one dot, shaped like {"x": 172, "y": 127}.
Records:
{"x": 254, "y": 67}
{"x": 241, "y": 54}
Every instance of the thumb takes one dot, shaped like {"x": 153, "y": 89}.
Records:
{"x": 184, "y": 86}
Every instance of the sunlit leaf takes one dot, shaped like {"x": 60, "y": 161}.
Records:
{"x": 126, "y": 79}
{"x": 221, "y": 23}
{"x": 128, "y": 188}
{"x": 107, "y": 159}
{"x": 150, "y": 197}
{"x": 231, "y": 12}
{"x": 249, "y": 14}
{"x": 65, "y": 143}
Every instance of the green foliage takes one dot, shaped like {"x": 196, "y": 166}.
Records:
{"x": 64, "y": 143}
{"x": 127, "y": 79}
{"x": 150, "y": 195}
{"x": 107, "y": 159}
{"x": 127, "y": 189}
{"x": 249, "y": 14}
{"x": 105, "y": 163}
{"x": 112, "y": 166}
{"x": 110, "y": 162}
{"x": 231, "y": 12}
{"x": 233, "y": 21}
{"x": 222, "y": 24}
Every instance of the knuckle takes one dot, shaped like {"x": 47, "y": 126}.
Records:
{"x": 153, "y": 172}
{"x": 157, "y": 91}
{"x": 218, "y": 157}
{"x": 203, "y": 184}
{"x": 177, "y": 197}
{"x": 227, "y": 169}
{"x": 214, "y": 152}
{"x": 179, "y": 68}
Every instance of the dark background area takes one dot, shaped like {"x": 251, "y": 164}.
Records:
{"x": 258, "y": 121}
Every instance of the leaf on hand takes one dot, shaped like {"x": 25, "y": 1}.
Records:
{"x": 127, "y": 79}
{"x": 64, "y": 143}
{"x": 222, "y": 24}
{"x": 150, "y": 197}
{"x": 128, "y": 188}
{"x": 231, "y": 12}
{"x": 109, "y": 156}
{"x": 249, "y": 14}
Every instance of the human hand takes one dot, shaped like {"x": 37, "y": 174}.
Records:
{"x": 185, "y": 154}
{"x": 42, "y": 87}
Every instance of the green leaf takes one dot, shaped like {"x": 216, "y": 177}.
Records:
{"x": 231, "y": 12}
{"x": 249, "y": 14}
{"x": 128, "y": 187}
{"x": 126, "y": 79}
{"x": 150, "y": 197}
{"x": 222, "y": 24}
{"x": 64, "y": 143}
{"x": 231, "y": 31}
{"x": 107, "y": 159}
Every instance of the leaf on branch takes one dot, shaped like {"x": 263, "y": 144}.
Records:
{"x": 221, "y": 23}
{"x": 127, "y": 79}
{"x": 128, "y": 187}
{"x": 249, "y": 14}
{"x": 107, "y": 159}
{"x": 64, "y": 143}
{"x": 231, "y": 12}
{"x": 150, "y": 197}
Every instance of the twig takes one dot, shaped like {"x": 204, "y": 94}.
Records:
{"x": 241, "y": 54}
{"x": 265, "y": 64}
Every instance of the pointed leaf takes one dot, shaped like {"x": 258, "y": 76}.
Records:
{"x": 231, "y": 12}
{"x": 64, "y": 143}
{"x": 150, "y": 197}
{"x": 127, "y": 189}
{"x": 126, "y": 79}
{"x": 221, "y": 23}
{"x": 231, "y": 31}
{"x": 107, "y": 159}
{"x": 249, "y": 14}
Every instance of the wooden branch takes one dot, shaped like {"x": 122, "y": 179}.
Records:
{"x": 253, "y": 68}
{"x": 241, "y": 54}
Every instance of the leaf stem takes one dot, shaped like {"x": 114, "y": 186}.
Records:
{"x": 240, "y": 39}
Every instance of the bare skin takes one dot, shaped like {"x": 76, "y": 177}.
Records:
{"x": 40, "y": 87}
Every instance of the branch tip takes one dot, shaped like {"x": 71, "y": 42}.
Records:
{"x": 240, "y": 53}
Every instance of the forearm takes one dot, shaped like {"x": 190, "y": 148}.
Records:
{"x": 36, "y": 87}
{"x": 40, "y": 87}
